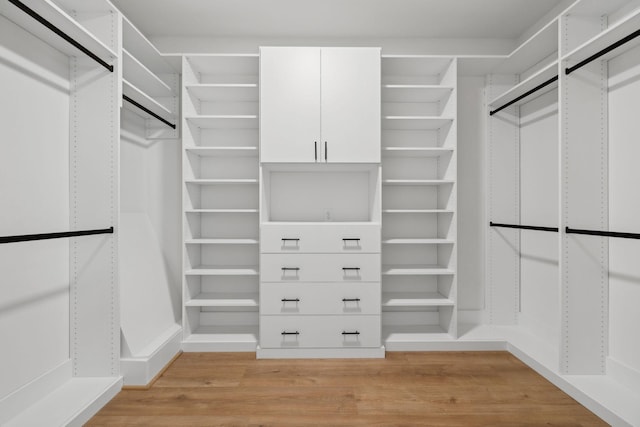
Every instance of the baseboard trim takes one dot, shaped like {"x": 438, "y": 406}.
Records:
{"x": 141, "y": 372}
{"x": 320, "y": 353}
{"x": 623, "y": 374}
{"x": 19, "y": 400}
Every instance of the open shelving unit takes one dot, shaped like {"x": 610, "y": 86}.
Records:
{"x": 418, "y": 201}
{"x": 221, "y": 203}
{"x": 150, "y": 84}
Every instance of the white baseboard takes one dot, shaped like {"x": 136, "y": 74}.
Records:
{"x": 25, "y": 396}
{"x": 320, "y": 353}
{"x": 623, "y": 374}
{"x": 141, "y": 369}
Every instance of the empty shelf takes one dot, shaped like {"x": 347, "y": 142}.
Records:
{"x": 417, "y": 182}
{"x": 224, "y": 92}
{"x": 222, "y": 338}
{"x": 221, "y": 211}
{"x": 416, "y": 151}
{"x": 415, "y": 299}
{"x": 220, "y": 181}
{"x": 417, "y": 211}
{"x": 416, "y": 122}
{"x": 235, "y": 270}
{"x": 224, "y": 122}
{"x": 223, "y": 300}
{"x": 415, "y": 93}
{"x": 221, "y": 241}
{"x": 417, "y": 242}
{"x": 222, "y": 151}
{"x": 416, "y": 270}
{"x": 144, "y": 79}
{"x": 407, "y": 334}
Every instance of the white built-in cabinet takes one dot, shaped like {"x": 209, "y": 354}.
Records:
{"x": 320, "y": 188}
{"x": 319, "y": 104}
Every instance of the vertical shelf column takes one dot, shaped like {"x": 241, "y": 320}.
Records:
{"x": 419, "y": 252}
{"x": 220, "y": 196}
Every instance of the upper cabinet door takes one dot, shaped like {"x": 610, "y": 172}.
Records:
{"x": 351, "y": 104}
{"x": 289, "y": 104}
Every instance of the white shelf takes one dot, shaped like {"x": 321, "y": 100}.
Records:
{"x": 221, "y": 241}
{"x": 222, "y": 338}
{"x": 220, "y": 181}
{"x": 224, "y": 121}
{"x": 416, "y": 270}
{"x": 136, "y": 73}
{"x": 221, "y": 211}
{"x": 223, "y": 151}
{"x": 140, "y": 47}
{"x": 415, "y": 299}
{"x": 609, "y": 36}
{"x": 142, "y": 98}
{"x": 415, "y": 122}
{"x": 417, "y": 182}
{"x": 416, "y": 151}
{"x": 417, "y": 242}
{"x": 417, "y": 211}
{"x": 235, "y": 270}
{"x": 415, "y": 93}
{"x": 215, "y": 299}
{"x": 525, "y": 86}
{"x": 224, "y": 92}
{"x": 73, "y": 403}
{"x": 59, "y": 18}
{"x": 413, "y": 334}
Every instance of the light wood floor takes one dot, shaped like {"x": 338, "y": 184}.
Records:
{"x": 453, "y": 389}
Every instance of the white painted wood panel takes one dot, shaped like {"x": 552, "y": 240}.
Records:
{"x": 350, "y": 104}
{"x": 319, "y": 268}
{"x": 320, "y": 238}
{"x": 289, "y": 104}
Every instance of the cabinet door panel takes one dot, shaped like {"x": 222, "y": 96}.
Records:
{"x": 351, "y": 104}
{"x": 289, "y": 104}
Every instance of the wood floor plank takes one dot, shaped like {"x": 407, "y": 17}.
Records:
{"x": 412, "y": 389}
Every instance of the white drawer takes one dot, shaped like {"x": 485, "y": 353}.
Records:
{"x": 319, "y": 268}
{"x": 320, "y": 238}
{"x": 320, "y": 298}
{"x": 319, "y": 331}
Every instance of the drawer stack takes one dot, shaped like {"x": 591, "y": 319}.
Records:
{"x": 319, "y": 289}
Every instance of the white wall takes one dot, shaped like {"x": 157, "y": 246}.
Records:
{"x": 34, "y": 198}
{"x": 150, "y": 238}
{"x": 539, "y": 274}
{"x": 624, "y": 208}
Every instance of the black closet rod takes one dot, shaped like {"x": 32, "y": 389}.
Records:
{"x": 46, "y": 236}
{"x": 146, "y": 110}
{"x": 61, "y": 33}
{"x": 603, "y": 52}
{"x": 523, "y": 227}
{"x": 569, "y": 230}
{"x": 524, "y": 95}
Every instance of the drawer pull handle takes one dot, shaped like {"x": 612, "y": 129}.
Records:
{"x": 290, "y": 333}
{"x": 290, "y": 268}
{"x": 350, "y": 299}
{"x": 350, "y": 333}
{"x": 290, "y": 300}
{"x": 351, "y": 268}
{"x": 351, "y": 239}
{"x": 290, "y": 239}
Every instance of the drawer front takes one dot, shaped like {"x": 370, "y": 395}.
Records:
{"x": 319, "y": 268}
{"x": 320, "y": 298}
{"x": 319, "y": 331}
{"x": 321, "y": 238}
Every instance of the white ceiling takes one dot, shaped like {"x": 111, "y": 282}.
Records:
{"x": 504, "y": 19}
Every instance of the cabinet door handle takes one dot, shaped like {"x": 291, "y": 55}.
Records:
{"x": 351, "y": 268}
{"x": 290, "y": 300}
{"x": 350, "y": 239}
{"x": 350, "y": 333}
{"x": 290, "y": 333}
{"x": 290, "y": 268}
{"x": 350, "y": 299}
{"x": 315, "y": 150}
{"x": 325, "y": 151}
{"x": 288, "y": 239}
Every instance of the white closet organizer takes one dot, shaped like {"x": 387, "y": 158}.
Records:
{"x": 220, "y": 193}
{"x": 150, "y": 84}
{"x": 320, "y": 202}
{"x": 418, "y": 201}
{"x": 49, "y": 386}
